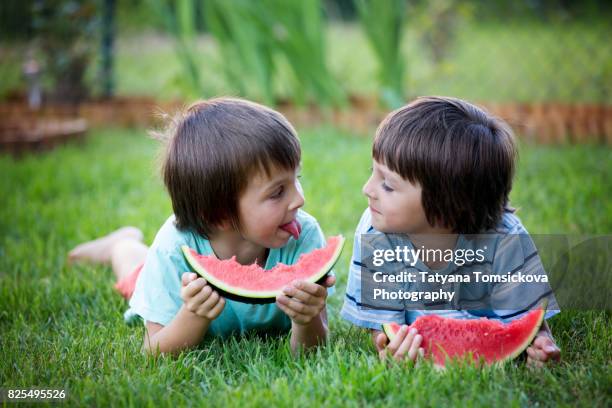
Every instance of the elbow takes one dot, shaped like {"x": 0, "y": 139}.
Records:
{"x": 151, "y": 347}
{"x": 299, "y": 348}
{"x": 148, "y": 351}
{"x": 309, "y": 343}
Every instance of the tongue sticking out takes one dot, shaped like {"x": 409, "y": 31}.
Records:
{"x": 293, "y": 227}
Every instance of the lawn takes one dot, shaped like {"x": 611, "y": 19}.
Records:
{"x": 62, "y": 326}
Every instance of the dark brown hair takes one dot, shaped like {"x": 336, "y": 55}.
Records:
{"x": 462, "y": 157}
{"x": 213, "y": 149}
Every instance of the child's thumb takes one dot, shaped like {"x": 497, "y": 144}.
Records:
{"x": 188, "y": 277}
{"x": 381, "y": 341}
{"x": 329, "y": 281}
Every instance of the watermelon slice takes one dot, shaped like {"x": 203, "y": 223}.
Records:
{"x": 486, "y": 339}
{"x": 253, "y": 284}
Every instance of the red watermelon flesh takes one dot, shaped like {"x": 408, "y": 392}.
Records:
{"x": 251, "y": 283}
{"x": 486, "y": 339}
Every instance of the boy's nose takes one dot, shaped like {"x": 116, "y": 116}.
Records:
{"x": 298, "y": 200}
{"x": 367, "y": 189}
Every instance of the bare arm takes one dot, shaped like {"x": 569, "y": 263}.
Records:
{"x": 311, "y": 334}
{"x": 305, "y": 304}
{"x": 186, "y": 330}
{"x": 201, "y": 306}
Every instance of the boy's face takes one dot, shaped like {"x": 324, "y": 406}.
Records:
{"x": 395, "y": 203}
{"x": 269, "y": 203}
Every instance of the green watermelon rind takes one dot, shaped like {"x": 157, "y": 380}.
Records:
{"x": 254, "y": 296}
{"x": 390, "y": 333}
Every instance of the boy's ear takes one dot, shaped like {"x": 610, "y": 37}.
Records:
{"x": 226, "y": 225}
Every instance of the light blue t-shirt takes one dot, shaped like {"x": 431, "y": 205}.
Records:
{"x": 157, "y": 298}
{"x": 510, "y": 249}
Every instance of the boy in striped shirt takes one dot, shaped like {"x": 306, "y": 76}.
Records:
{"x": 443, "y": 167}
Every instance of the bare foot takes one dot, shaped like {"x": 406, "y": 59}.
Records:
{"x": 99, "y": 250}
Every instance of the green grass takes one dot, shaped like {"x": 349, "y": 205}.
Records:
{"x": 527, "y": 61}
{"x": 62, "y": 326}
{"x": 487, "y": 62}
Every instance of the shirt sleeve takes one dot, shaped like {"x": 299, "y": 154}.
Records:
{"x": 157, "y": 297}
{"x": 516, "y": 253}
{"x": 352, "y": 309}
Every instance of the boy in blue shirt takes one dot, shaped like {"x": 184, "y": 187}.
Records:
{"x": 231, "y": 169}
{"x": 443, "y": 168}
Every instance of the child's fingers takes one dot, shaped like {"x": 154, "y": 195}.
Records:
{"x": 329, "y": 281}
{"x": 536, "y": 354}
{"x": 406, "y": 344}
{"x": 188, "y": 277}
{"x": 551, "y": 353}
{"x": 543, "y": 342}
{"x": 312, "y": 288}
{"x": 298, "y": 307}
{"x": 554, "y": 355}
{"x": 201, "y": 296}
{"x": 211, "y": 301}
{"x": 194, "y": 287}
{"x": 397, "y": 340}
{"x": 303, "y": 296}
{"x": 420, "y": 356}
{"x": 217, "y": 309}
{"x": 531, "y": 353}
{"x": 381, "y": 342}
{"x": 292, "y": 314}
{"x": 194, "y": 303}
{"x": 414, "y": 348}
{"x": 548, "y": 346}
{"x": 302, "y": 311}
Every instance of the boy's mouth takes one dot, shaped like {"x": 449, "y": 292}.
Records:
{"x": 293, "y": 227}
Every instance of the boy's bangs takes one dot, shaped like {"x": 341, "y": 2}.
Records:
{"x": 404, "y": 155}
{"x": 273, "y": 152}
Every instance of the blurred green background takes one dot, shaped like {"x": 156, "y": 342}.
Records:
{"x": 314, "y": 50}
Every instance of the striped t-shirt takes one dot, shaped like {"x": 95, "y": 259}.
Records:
{"x": 511, "y": 249}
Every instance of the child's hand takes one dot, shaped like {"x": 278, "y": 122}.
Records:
{"x": 406, "y": 344}
{"x": 200, "y": 298}
{"x": 303, "y": 301}
{"x": 542, "y": 350}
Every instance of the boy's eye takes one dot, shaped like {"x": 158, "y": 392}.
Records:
{"x": 278, "y": 193}
{"x": 386, "y": 187}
